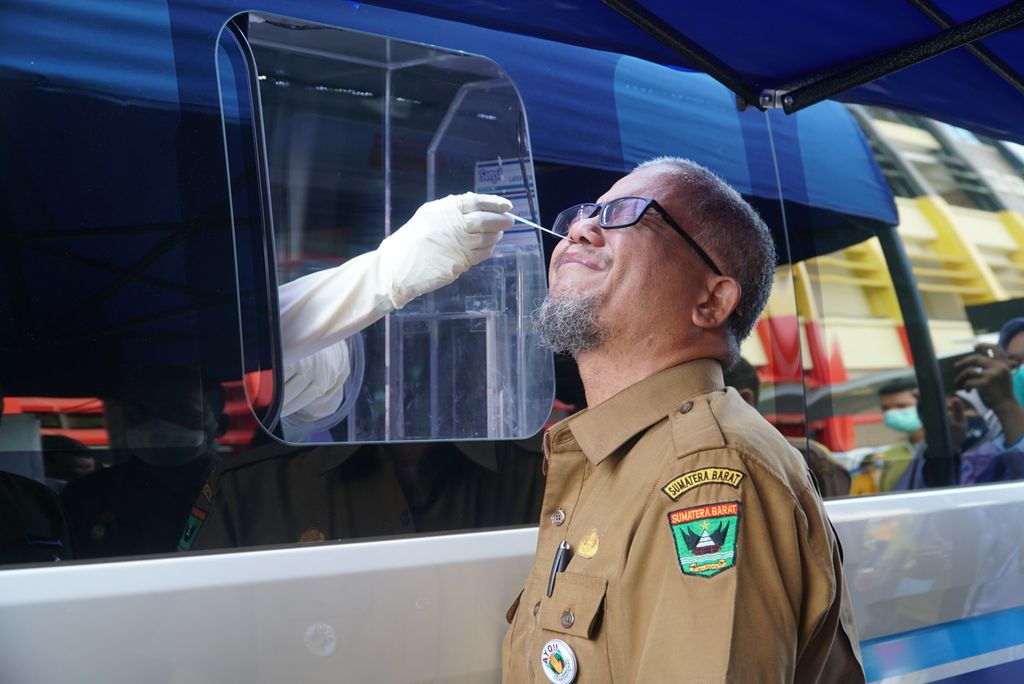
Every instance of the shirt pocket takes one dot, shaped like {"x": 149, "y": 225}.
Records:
{"x": 575, "y": 605}
{"x": 574, "y": 614}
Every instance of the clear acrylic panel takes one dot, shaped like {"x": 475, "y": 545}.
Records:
{"x": 360, "y": 131}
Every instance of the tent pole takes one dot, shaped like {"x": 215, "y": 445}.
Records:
{"x": 984, "y": 55}
{"x": 941, "y": 462}
{"x": 980, "y": 27}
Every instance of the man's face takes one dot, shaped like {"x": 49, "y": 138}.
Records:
{"x": 898, "y": 400}
{"x": 646, "y": 271}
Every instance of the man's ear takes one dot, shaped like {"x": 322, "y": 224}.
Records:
{"x": 718, "y": 301}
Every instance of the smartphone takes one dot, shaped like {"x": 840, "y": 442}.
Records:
{"x": 948, "y": 370}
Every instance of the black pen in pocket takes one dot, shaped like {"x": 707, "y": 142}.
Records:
{"x": 560, "y": 563}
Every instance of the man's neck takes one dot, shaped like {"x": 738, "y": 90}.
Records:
{"x": 605, "y": 374}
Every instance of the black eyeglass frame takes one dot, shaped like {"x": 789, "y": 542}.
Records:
{"x": 601, "y": 211}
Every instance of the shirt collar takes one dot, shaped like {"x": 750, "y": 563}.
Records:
{"x": 602, "y": 429}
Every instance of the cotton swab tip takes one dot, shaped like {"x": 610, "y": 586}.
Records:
{"x": 533, "y": 225}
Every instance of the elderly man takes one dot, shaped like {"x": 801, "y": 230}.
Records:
{"x": 681, "y": 537}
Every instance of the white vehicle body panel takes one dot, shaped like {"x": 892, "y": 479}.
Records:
{"x": 432, "y": 609}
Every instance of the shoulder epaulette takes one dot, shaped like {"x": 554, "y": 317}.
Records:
{"x": 694, "y": 428}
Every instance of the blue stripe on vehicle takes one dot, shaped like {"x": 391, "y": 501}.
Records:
{"x": 920, "y": 649}
{"x": 999, "y": 674}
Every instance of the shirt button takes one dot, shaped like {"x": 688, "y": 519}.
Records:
{"x": 558, "y": 517}
{"x": 536, "y": 608}
{"x": 685, "y": 408}
{"x": 567, "y": 619}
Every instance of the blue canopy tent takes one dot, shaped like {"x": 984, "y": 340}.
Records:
{"x": 895, "y": 54}
{"x": 834, "y": 194}
{"x": 833, "y": 191}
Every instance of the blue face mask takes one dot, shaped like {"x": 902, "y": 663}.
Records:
{"x": 160, "y": 442}
{"x": 902, "y": 420}
{"x": 1018, "y": 384}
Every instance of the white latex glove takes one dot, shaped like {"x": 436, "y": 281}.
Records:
{"x": 314, "y": 385}
{"x": 442, "y": 240}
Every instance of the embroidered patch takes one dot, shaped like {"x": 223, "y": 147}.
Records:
{"x": 208, "y": 491}
{"x": 588, "y": 547}
{"x": 705, "y": 537}
{"x": 558, "y": 662}
{"x": 702, "y": 476}
{"x": 192, "y": 527}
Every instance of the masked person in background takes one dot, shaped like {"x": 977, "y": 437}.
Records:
{"x": 898, "y": 401}
{"x": 996, "y": 374}
{"x": 986, "y": 418}
{"x": 901, "y": 466}
{"x": 170, "y": 419}
{"x": 976, "y": 429}
{"x": 442, "y": 240}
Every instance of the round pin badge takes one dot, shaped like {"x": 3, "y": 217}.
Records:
{"x": 558, "y": 662}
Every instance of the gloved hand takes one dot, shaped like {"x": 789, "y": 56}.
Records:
{"x": 441, "y": 241}
{"x": 314, "y": 385}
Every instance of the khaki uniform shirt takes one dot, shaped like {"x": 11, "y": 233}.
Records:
{"x": 282, "y": 495}
{"x": 701, "y": 551}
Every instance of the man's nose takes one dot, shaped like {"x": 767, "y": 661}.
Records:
{"x": 587, "y": 231}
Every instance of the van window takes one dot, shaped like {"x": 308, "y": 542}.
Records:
{"x": 130, "y": 427}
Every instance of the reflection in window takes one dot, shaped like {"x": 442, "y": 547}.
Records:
{"x": 966, "y": 255}
{"x": 944, "y": 171}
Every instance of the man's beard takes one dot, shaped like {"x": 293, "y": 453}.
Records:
{"x": 567, "y": 323}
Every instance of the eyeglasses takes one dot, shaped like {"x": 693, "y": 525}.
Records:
{"x": 624, "y": 212}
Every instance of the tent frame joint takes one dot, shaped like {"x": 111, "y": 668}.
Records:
{"x": 772, "y": 98}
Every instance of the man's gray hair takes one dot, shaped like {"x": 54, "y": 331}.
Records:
{"x": 728, "y": 229}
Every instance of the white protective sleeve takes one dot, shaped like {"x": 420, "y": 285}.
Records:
{"x": 442, "y": 240}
